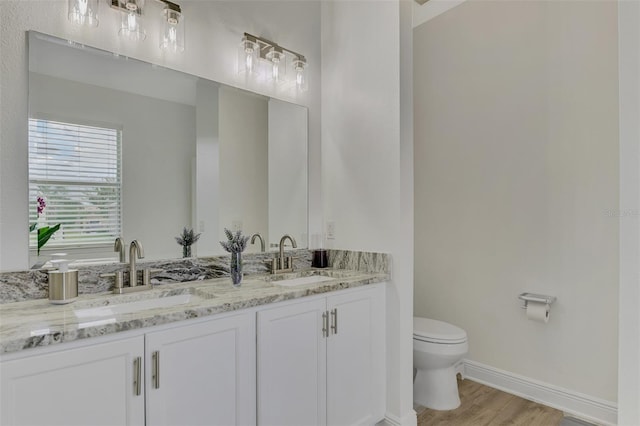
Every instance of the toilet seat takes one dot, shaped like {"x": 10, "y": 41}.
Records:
{"x": 434, "y": 331}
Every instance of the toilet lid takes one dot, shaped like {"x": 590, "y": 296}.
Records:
{"x": 429, "y": 330}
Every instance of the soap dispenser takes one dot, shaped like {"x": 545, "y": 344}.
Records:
{"x": 63, "y": 283}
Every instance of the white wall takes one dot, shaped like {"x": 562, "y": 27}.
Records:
{"x": 287, "y": 192}
{"x": 366, "y": 166}
{"x": 629, "y": 318}
{"x": 516, "y": 169}
{"x": 213, "y": 32}
{"x": 244, "y": 143}
{"x": 154, "y": 166}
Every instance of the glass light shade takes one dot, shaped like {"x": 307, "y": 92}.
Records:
{"x": 172, "y": 31}
{"x": 248, "y": 56}
{"x": 83, "y": 12}
{"x": 132, "y": 22}
{"x": 276, "y": 70}
{"x": 300, "y": 70}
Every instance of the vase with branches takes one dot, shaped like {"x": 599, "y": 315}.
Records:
{"x": 235, "y": 244}
{"x": 186, "y": 240}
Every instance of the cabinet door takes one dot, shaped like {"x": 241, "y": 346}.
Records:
{"x": 202, "y": 374}
{"x": 91, "y": 385}
{"x": 356, "y": 358}
{"x": 292, "y": 365}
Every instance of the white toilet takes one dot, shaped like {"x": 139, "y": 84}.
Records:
{"x": 437, "y": 348}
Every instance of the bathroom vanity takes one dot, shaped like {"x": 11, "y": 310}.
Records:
{"x": 265, "y": 353}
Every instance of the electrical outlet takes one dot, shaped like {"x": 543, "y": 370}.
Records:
{"x": 331, "y": 230}
{"x": 236, "y": 225}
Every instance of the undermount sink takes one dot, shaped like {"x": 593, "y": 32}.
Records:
{"x": 311, "y": 276}
{"x": 292, "y": 282}
{"x": 119, "y": 305}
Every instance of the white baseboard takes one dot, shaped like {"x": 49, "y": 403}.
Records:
{"x": 574, "y": 403}
{"x": 411, "y": 419}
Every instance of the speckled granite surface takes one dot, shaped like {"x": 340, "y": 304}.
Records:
{"x": 33, "y": 284}
{"x": 36, "y": 323}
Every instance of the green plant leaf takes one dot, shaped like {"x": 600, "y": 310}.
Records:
{"x": 44, "y": 234}
{"x": 33, "y": 226}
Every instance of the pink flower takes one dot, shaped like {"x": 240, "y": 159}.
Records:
{"x": 41, "y": 205}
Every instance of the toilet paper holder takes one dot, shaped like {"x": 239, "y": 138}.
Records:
{"x": 538, "y": 298}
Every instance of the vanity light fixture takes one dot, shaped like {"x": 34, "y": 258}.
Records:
{"x": 248, "y": 54}
{"x": 133, "y": 14}
{"x": 131, "y": 18}
{"x": 172, "y": 28}
{"x": 276, "y": 62}
{"x": 83, "y": 12}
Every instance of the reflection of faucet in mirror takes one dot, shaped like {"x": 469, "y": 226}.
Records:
{"x": 282, "y": 263}
{"x": 253, "y": 240}
{"x": 134, "y": 248}
{"x": 119, "y": 247}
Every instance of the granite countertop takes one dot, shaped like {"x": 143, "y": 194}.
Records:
{"x": 36, "y": 323}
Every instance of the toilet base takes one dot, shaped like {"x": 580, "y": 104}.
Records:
{"x": 437, "y": 389}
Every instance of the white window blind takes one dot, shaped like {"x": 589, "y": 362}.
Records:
{"x": 76, "y": 169}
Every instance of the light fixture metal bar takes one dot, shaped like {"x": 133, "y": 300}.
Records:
{"x": 265, "y": 43}
{"x": 173, "y": 6}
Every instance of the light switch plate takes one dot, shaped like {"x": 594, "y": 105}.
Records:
{"x": 331, "y": 230}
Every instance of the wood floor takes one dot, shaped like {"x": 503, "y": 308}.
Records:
{"x": 482, "y": 405}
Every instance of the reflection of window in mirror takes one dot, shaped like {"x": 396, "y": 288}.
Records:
{"x": 76, "y": 169}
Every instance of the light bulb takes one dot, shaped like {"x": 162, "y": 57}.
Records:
{"x": 249, "y": 61}
{"x": 299, "y": 77}
{"x": 83, "y": 6}
{"x": 83, "y": 12}
{"x": 276, "y": 69}
{"x": 131, "y": 22}
{"x": 173, "y": 36}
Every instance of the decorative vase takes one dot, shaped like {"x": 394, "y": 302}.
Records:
{"x": 235, "y": 270}
{"x": 186, "y": 251}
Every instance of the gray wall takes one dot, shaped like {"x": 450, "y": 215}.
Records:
{"x": 516, "y": 170}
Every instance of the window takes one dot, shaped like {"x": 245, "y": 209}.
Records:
{"x": 76, "y": 168}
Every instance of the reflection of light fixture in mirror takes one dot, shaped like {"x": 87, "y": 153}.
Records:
{"x": 248, "y": 54}
{"x": 84, "y": 12}
{"x": 132, "y": 25}
{"x": 172, "y": 28}
{"x": 276, "y": 62}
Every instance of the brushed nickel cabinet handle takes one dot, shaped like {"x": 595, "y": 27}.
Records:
{"x": 137, "y": 375}
{"x": 334, "y": 320}
{"x": 325, "y": 324}
{"x": 155, "y": 373}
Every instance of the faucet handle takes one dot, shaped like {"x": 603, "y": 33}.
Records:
{"x": 148, "y": 273}
{"x": 118, "y": 278}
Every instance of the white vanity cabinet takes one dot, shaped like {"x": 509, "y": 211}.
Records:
{"x": 322, "y": 361}
{"x": 90, "y": 385}
{"x": 202, "y": 374}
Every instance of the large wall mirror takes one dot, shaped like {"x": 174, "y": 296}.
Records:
{"x": 121, "y": 146}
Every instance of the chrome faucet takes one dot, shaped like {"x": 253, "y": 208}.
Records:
{"x": 134, "y": 249}
{"x": 253, "y": 240}
{"x": 135, "y": 252}
{"x": 282, "y": 263}
{"x": 118, "y": 246}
